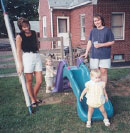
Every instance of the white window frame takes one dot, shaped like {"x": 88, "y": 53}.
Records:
{"x": 82, "y": 34}
{"x": 44, "y": 26}
{"x": 123, "y": 19}
{"x": 59, "y": 17}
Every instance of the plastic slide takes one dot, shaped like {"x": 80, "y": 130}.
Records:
{"x": 77, "y": 76}
{"x": 61, "y": 83}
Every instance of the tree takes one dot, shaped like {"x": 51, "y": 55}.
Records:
{"x": 19, "y": 8}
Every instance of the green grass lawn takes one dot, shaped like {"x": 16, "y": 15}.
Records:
{"x": 6, "y": 63}
{"x": 7, "y": 70}
{"x": 57, "y": 118}
{"x": 116, "y": 74}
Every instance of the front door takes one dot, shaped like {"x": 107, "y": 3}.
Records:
{"x": 63, "y": 30}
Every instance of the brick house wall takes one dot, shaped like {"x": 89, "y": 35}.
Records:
{"x": 74, "y": 18}
{"x": 75, "y": 25}
{"x": 105, "y": 8}
{"x": 45, "y": 11}
{"x": 57, "y": 13}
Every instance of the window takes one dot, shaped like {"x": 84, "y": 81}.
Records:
{"x": 118, "y": 25}
{"x": 44, "y": 27}
{"x": 62, "y": 23}
{"x": 118, "y": 57}
{"x": 82, "y": 21}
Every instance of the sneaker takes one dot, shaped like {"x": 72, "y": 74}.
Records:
{"x": 48, "y": 91}
{"x": 106, "y": 122}
{"x": 88, "y": 124}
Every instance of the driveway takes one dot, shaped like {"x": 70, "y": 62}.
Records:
{"x": 4, "y": 44}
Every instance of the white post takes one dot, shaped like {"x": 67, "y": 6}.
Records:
{"x": 70, "y": 49}
{"x": 12, "y": 42}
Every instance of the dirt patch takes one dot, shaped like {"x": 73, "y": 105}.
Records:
{"x": 51, "y": 100}
{"x": 120, "y": 87}
{"x": 55, "y": 98}
{"x": 114, "y": 88}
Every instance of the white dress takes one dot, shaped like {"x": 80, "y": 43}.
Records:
{"x": 50, "y": 76}
{"x": 95, "y": 94}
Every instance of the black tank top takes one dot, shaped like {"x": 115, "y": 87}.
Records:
{"x": 29, "y": 43}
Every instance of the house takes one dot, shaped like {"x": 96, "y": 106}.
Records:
{"x": 34, "y": 26}
{"x": 61, "y": 17}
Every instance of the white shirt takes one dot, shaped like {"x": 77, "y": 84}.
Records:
{"x": 49, "y": 71}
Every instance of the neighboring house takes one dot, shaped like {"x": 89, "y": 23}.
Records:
{"x": 60, "y": 17}
{"x": 34, "y": 26}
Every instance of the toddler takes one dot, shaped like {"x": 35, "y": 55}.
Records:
{"x": 96, "y": 96}
{"x": 50, "y": 75}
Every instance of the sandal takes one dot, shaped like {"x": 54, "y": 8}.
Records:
{"x": 106, "y": 122}
{"x": 88, "y": 124}
{"x": 39, "y": 101}
{"x": 34, "y": 104}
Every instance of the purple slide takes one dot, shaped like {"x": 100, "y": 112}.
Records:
{"x": 60, "y": 83}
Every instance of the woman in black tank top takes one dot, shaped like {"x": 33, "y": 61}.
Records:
{"x": 29, "y": 43}
{"x": 29, "y": 60}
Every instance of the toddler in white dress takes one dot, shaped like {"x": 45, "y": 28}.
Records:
{"x": 50, "y": 75}
{"x": 96, "y": 96}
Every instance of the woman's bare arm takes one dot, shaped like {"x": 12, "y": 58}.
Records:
{"x": 87, "y": 49}
{"x": 107, "y": 44}
{"x": 19, "y": 53}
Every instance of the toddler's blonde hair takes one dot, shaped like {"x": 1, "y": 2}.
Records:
{"x": 48, "y": 59}
{"x": 95, "y": 73}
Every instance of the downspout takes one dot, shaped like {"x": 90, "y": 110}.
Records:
{"x": 51, "y": 11}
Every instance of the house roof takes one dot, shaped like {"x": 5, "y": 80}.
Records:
{"x": 69, "y": 4}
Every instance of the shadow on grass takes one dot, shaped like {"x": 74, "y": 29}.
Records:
{"x": 120, "y": 104}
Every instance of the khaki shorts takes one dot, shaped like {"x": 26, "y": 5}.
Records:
{"x": 102, "y": 63}
{"x": 32, "y": 62}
